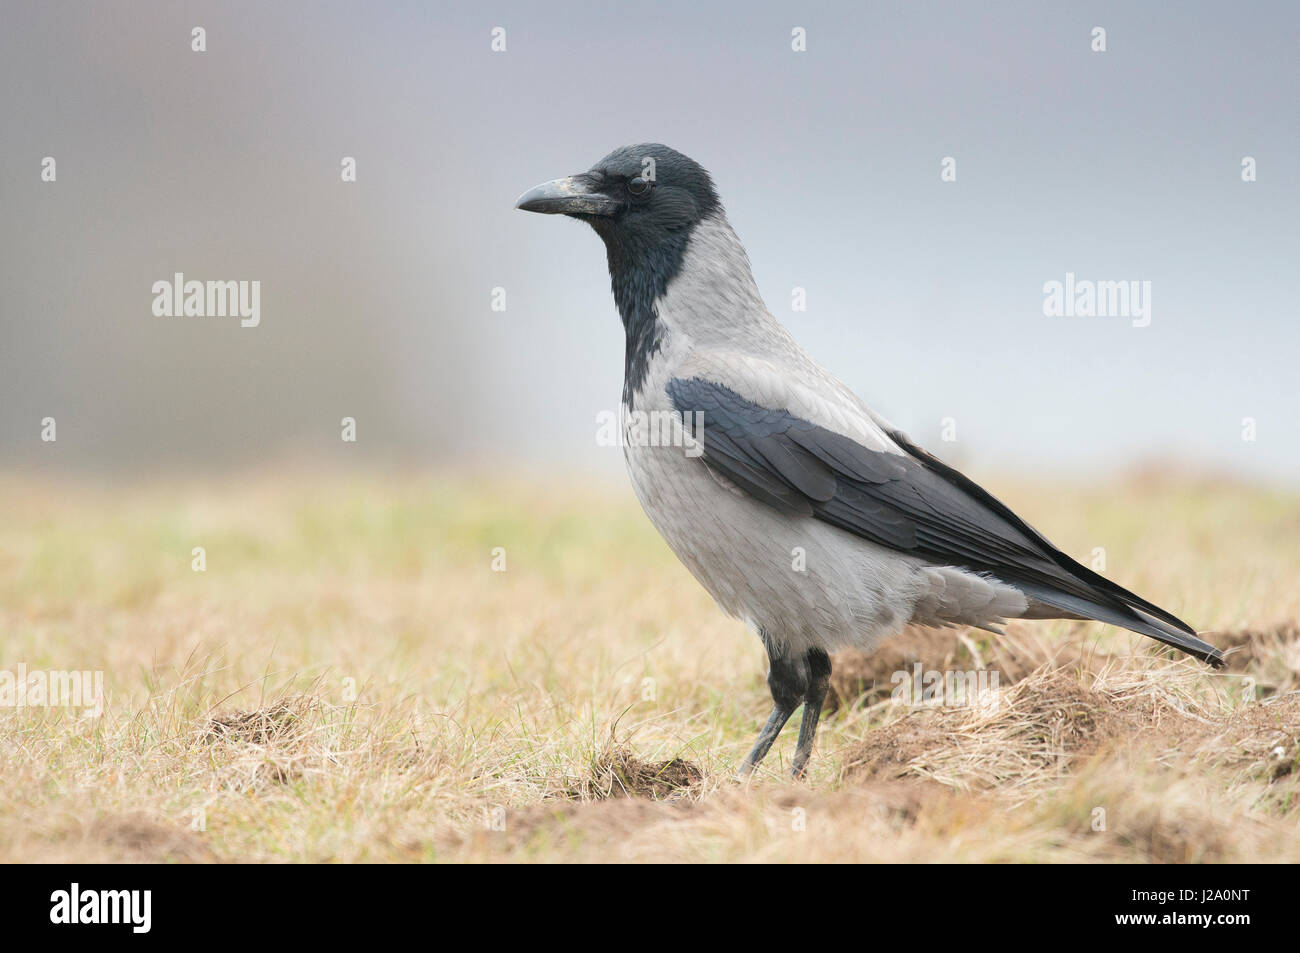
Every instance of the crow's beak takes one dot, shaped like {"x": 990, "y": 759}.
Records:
{"x": 574, "y": 195}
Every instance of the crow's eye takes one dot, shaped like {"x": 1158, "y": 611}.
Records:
{"x": 638, "y": 186}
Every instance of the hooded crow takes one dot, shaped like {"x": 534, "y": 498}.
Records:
{"x": 804, "y": 513}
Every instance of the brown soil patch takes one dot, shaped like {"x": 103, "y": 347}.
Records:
{"x": 1261, "y": 740}
{"x": 262, "y": 726}
{"x": 134, "y": 838}
{"x": 140, "y": 839}
{"x": 1029, "y": 732}
{"x": 266, "y": 746}
{"x": 555, "y": 822}
{"x": 1270, "y": 655}
{"x": 617, "y": 772}
{"x": 866, "y": 678}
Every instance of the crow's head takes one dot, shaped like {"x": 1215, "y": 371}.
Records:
{"x": 636, "y": 198}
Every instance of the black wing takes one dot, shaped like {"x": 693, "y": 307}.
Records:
{"x": 910, "y": 502}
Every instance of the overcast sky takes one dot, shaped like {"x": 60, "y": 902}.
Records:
{"x": 926, "y": 296}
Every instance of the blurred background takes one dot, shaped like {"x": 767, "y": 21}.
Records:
{"x": 201, "y": 536}
{"x": 376, "y": 296}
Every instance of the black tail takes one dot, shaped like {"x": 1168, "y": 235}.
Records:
{"x": 1130, "y": 614}
{"x": 1067, "y": 585}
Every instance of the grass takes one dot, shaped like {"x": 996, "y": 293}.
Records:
{"x": 349, "y": 679}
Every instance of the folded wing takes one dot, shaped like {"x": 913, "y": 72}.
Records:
{"x": 898, "y": 496}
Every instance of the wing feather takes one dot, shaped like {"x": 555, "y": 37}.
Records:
{"x": 901, "y": 497}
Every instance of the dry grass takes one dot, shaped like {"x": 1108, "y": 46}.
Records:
{"x": 350, "y": 680}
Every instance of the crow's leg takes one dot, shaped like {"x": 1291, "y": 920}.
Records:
{"x": 819, "y": 680}
{"x": 788, "y": 681}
